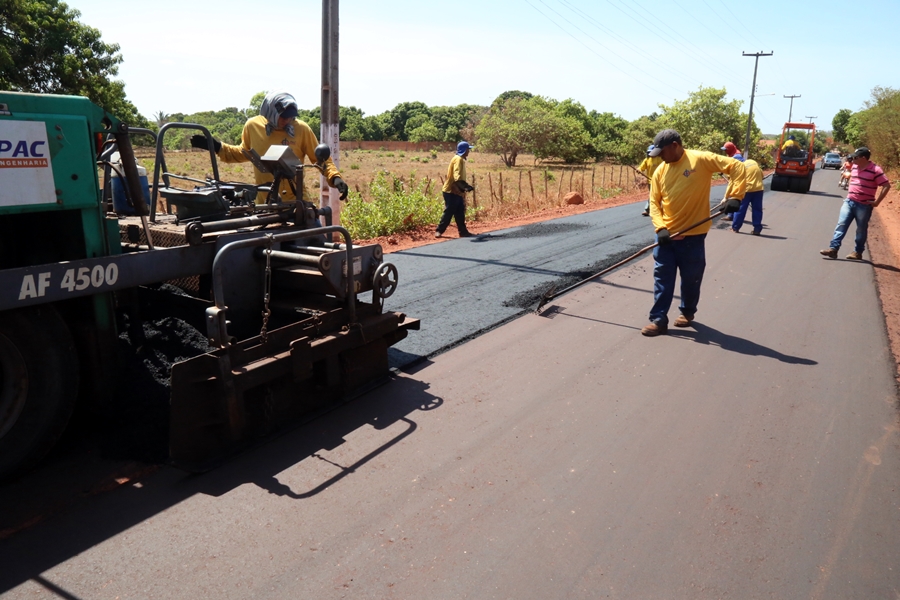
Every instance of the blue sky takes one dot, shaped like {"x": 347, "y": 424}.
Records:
{"x": 620, "y": 56}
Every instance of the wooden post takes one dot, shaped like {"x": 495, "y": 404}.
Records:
{"x": 582, "y": 181}
{"x": 593, "y": 171}
{"x": 501, "y": 187}
{"x": 531, "y": 185}
{"x": 519, "y": 199}
{"x": 474, "y": 191}
{"x": 491, "y": 184}
{"x": 571, "y": 175}
{"x": 620, "y": 176}
{"x": 546, "y": 186}
{"x": 559, "y": 189}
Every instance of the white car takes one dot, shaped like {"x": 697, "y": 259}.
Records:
{"x": 832, "y": 160}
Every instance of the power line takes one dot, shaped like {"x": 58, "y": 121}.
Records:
{"x": 669, "y": 32}
{"x": 600, "y": 44}
{"x": 736, "y": 18}
{"x": 625, "y": 42}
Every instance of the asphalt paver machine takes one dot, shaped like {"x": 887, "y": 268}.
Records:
{"x": 293, "y": 312}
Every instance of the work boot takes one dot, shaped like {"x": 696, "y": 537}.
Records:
{"x": 829, "y": 252}
{"x": 438, "y": 234}
{"x": 755, "y": 232}
{"x": 854, "y": 255}
{"x": 683, "y": 321}
{"x": 645, "y": 213}
{"x": 654, "y": 329}
{"x": 466, "y": 234}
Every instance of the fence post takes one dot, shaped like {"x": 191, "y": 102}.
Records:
{"x": 519, "y": 199}
{"x": 571, "y": 175}
{"x": 593, "y": 170}
{"x": 491, "y": 185}
{"x": 546, "y": 186}
{"x": 562, "y": 176}
{"x": 501, "y": 187}
{"x": 474, "y": 191}
{"x": 531, "y": 185}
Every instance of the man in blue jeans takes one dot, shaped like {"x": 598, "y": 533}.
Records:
{"x": 679, "y": 199}
{"x": 865, "y": 180}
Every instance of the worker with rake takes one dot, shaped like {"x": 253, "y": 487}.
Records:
{"x": 679, "y": 201}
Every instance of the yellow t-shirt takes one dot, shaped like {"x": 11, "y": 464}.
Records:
{"x": 649, "y": 165}
{"x": 754, "y": 178}
{"x": 455, "y": 172}
{"x": 302, "y": 143}
{"x": 679, "y": 191}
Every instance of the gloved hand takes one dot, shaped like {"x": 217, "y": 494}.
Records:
{"x": 342, "y": 187}
{"x": 464, "y": 186}
{"x": 663, "y": 238}
{"x": 199, "y": 141}
{"x": 732, "y": 205}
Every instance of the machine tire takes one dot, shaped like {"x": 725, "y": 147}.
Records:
{"x": 780, "y": 183}
{"x": 38, "y": 385}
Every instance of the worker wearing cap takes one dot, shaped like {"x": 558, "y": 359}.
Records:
{"x": 753, "y": 198}
{"x": 865, "y": 180}
{"x": 679, "y": 199}
{"x": 648, "y": 167}
{"x": 790, "y": 147}
{"x": 455, "y": 188}
{"x": 276, "y": 125}
{"x": 732, "y": 151}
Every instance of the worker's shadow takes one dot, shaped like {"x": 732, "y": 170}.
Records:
{"x": 704, "y": 334}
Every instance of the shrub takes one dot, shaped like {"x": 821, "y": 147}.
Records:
{"x": 395, "y": 206}
{"x": 354, "y": 167}
{"x": 609, "y": 192}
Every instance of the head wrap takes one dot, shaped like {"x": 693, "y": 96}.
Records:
{"x": 272, "y": 106}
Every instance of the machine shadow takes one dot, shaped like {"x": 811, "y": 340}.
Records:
{"x": 704, "y": 334}
{"x": 29, "y": 553}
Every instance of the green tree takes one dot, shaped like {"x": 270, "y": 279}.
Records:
{"x": 531, "y": 125}
{"x": 509, "y": 128}
{"x": 881, "y": 126}
{"x": 255, "y": 102}
{"x": 839, "y": 124}
{"x": 637, "y": 137}
{"x": 705, "y": 121}
{"x": 45, "y": 49}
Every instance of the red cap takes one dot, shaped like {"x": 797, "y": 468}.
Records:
{"x": 730, "y": 149}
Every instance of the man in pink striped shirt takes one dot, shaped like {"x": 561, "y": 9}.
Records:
{"x": 865, "y": 180}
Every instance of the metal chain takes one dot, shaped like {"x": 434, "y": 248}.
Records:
{"x": 267, "y": 294}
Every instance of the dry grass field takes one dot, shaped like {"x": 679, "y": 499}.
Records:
{"x": 500, "y": 192}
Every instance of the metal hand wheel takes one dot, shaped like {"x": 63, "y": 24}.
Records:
{"x": 384, "y": 282}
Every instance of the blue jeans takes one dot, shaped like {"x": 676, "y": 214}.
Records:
{"x": 851, "y": 211}
{"x": 688, "y": 258}
{"x": 752, "y": 200}
{"x": 454, "y": 208}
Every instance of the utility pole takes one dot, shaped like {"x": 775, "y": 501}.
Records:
{"x": 330, "y": 131}
{"x": 752, "y": 95}
{"x": 810, "y": 118}
{"x": 791, "y": 112}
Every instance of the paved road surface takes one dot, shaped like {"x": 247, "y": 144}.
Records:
{"x": 752, "y": 456}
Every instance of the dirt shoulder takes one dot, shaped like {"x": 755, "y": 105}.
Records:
{"x": 884, "y": 247}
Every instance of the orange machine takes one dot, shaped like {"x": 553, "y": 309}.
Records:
{"x": 795, "y": 161}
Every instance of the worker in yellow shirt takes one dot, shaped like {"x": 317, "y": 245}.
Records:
{"x": 753, "y": 197}
{"x": 648, "y": 167}
{"x": 454, "y": 190}
{"x": 679, "y": 198}
{"x": 790, "y": 147}
{"x": 276, "y": 124}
